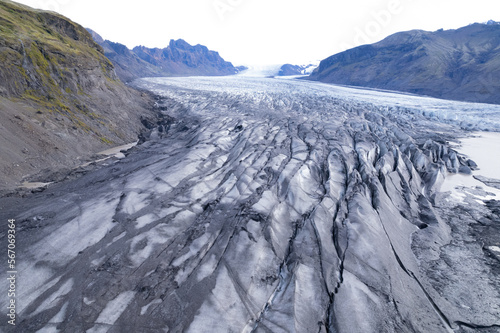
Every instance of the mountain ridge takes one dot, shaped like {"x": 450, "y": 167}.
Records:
{"x": 456, "y": 64}
{"x": 179, "y": 58}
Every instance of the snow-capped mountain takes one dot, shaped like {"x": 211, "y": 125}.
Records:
{"x": 289, "y": 69}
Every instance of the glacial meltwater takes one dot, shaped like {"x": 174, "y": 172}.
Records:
{"x": 484, "y": 149}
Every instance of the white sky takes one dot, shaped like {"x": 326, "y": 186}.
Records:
{"x": 257, "y": 32}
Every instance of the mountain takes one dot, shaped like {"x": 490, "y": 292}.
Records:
{"x": 60, "y": 99}
{"x": 460, "y": 64}
{"x": 128, "y": 66}
{"x": 179, "y": 58}
{"x": 289, "y": 69}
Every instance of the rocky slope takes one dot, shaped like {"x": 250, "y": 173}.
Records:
{"x": 60, "y": 99}
{"x": 177, "y": 59}
{"x": 460, "y": 64}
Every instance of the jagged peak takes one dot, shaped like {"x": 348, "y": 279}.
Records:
{"x": 179, "y": 43}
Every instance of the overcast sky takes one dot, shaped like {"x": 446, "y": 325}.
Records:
{"x": 255, "y": 32}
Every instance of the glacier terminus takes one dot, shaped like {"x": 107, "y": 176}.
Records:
{"x": 269, "y": 205}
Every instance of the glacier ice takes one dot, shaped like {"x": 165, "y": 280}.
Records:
{"x": 269, "y": 205}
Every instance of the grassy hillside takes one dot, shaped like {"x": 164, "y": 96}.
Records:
{"x": 59, "y": 95}
{"x": 39, "y": 51}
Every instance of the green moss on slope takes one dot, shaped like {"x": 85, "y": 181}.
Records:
{"x": 48, "y": 60}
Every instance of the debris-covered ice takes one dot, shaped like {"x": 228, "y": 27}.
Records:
{"x": 269, "y": 205}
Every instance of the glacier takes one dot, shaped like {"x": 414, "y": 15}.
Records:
{"x": 268, "y": 205}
